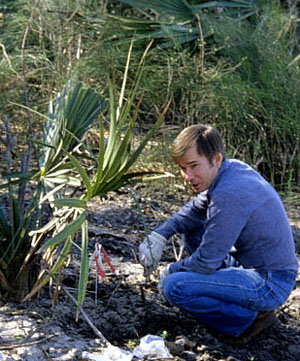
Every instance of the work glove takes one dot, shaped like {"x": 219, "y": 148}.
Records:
{"x": 150, "y": 251}
{"x": 164, "y": 273}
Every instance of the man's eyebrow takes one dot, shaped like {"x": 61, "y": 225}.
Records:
{"x": 192, "y": 162}
{"x": 189, "y": 163}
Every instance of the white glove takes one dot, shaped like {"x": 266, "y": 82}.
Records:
{"x": 164, "y": 273}
{"x": 151, "y": 249}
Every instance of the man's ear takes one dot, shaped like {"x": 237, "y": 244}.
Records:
{"x": 217, "y": 159}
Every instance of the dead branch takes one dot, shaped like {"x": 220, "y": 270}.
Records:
{"x": 26, "y": 344}
{"x": 103, "y": 340}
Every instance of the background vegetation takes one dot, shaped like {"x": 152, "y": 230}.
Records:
{"x": 238, "y": 70}
{"x": 232, "y": 64}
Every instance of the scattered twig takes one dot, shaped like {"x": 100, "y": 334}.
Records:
{"x": 135, "y": 255}
{"x": 202, "y": 44}
{"x": 103, "y": 340}
{"x": 7, "y": 57}
{"x": 26, "y": 344}
{"x": 99, "y": 232}
{"x": 161, "y": 358}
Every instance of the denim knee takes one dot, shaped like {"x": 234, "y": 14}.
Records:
{"x": 172, "y": 288}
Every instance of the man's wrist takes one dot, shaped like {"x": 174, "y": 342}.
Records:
{"x": 158, "y": 237}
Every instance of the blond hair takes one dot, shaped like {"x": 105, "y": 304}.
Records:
{"x": 207, "y": 138}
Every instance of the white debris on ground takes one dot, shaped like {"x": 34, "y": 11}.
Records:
{"x": 151, "y": 347}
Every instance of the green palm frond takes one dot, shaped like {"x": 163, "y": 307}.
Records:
{"x": 180, "y": 8}
{"x": 118, "y": 156}
{"x": 75, "y": 111}
{"x": 70, "y": 202}
{"x": 16, "y": 228}
{"x": 164, "y": 33}
{"x": 17, "y": 178}
{"x": 239, "y": 9}
{"x": 177, "y": 35}
{"x": 84, "y": 267}
{"x": 178, "y": 21}
{"x": 4, "y": 225}
{"x": 68, "y": 230}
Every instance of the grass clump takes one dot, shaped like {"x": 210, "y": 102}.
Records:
{"x": 256, "y": 102}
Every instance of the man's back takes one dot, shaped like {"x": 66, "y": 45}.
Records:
{"x": 256, "y": 217}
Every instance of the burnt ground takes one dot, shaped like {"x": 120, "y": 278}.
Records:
{"x": 123, "y": 308}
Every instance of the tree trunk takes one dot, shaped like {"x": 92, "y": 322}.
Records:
{"x": 20, "y": 287}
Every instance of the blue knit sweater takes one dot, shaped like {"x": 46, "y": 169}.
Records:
{"x": 242, "y": 215}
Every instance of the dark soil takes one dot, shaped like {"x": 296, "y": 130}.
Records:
{"x": 124, "y": 308}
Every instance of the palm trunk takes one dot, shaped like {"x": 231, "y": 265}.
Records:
{"x": 15, "y": 290}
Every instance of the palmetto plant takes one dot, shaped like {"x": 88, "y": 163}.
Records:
{"x": 109, "y": 171}
{"x": 176, "y": 22}
{"x": 76, "y": 109}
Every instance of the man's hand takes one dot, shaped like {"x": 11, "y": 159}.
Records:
{"x": 150, "y": 251}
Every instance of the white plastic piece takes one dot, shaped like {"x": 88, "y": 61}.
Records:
{"x": 151, "y": 347}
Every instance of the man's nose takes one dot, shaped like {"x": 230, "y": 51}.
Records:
{"x": 189, "y": 175}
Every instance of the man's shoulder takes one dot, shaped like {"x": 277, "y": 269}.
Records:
{"x": 235, "y": 164}
{"x": 239, "y": 171}
{"x": 237, "y": 177}
{"x": 241, "y": 182}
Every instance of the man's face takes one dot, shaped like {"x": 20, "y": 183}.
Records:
{"x": 197, "y": 170}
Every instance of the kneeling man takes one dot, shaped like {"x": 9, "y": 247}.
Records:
{"x": 241, "y": 263}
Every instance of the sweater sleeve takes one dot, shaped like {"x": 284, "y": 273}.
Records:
{"x": 226, "y": 218}
{"x": 189, "y": 217}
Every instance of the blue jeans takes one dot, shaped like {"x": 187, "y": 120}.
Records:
{"x": 229, "y": 299}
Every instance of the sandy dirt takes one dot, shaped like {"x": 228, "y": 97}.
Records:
{"x": 124, "y": 309}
